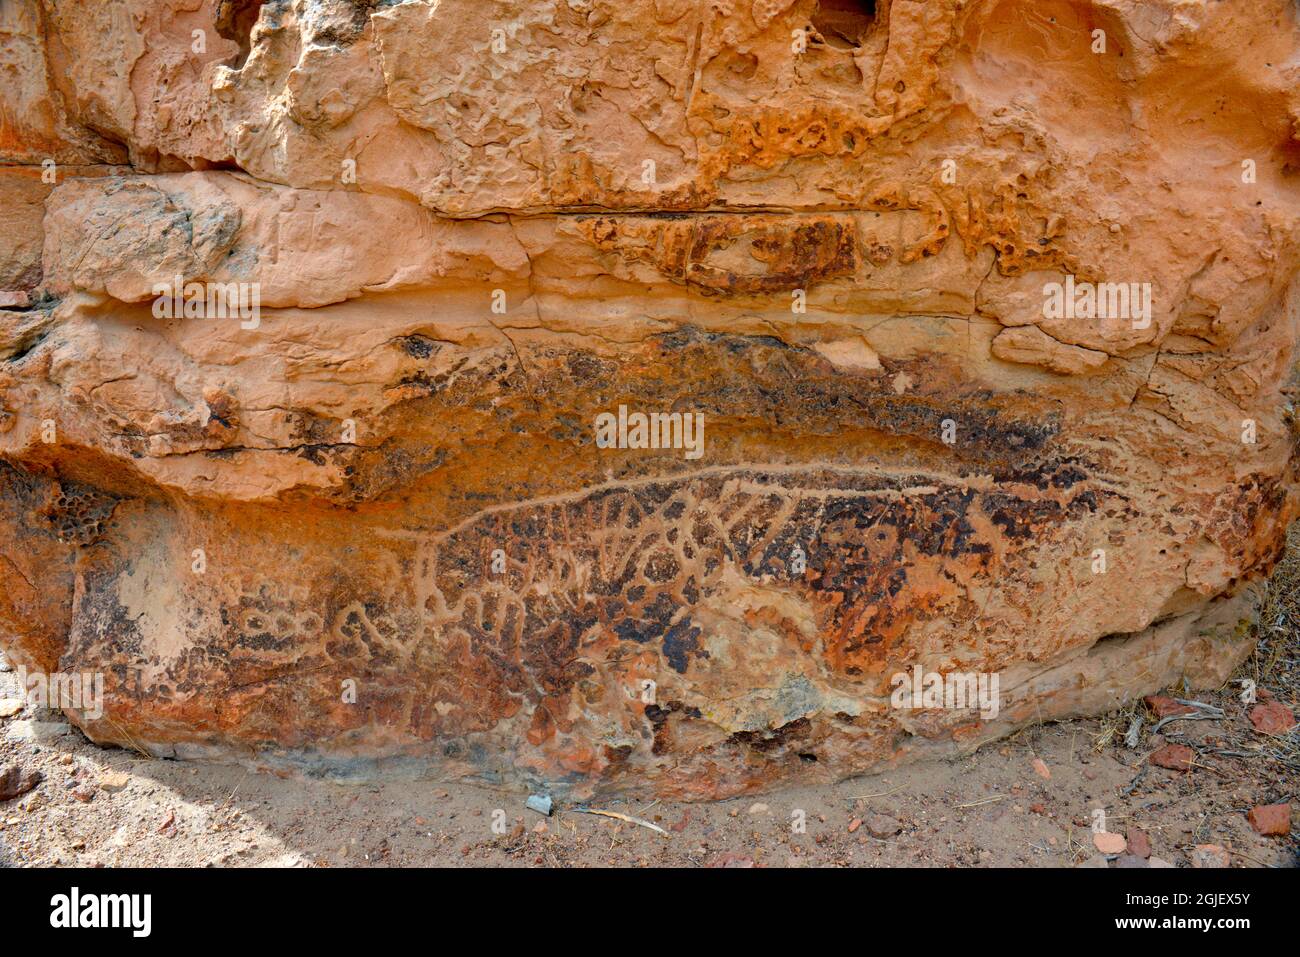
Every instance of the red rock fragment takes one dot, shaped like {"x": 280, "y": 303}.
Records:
{"x": 1272, "y": 718}
{"x": 1138, "y": 842}
{"x": 1271, "y": 820}
{"x": 1176, "y": 757}
{"x": 1164, "y": 707}
{"x": 1109, "y": 843}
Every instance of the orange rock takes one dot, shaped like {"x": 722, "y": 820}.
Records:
{"x": 1273, "y": 820}
{"x": 1164, "y": 707}
{"x": 424, "y": 487}
{"x": 1177, "y": 757}
{"x": 1272, "y": 717}
{"x": 1109, "y": 843}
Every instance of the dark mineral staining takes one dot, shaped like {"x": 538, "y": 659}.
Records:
{"x": 79, "y": 513}
{"x": 680, "y": 643}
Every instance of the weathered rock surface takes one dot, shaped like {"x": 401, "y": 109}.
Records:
{"x": 373, "y": 521}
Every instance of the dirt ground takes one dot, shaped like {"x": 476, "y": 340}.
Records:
{"x": 997, "y": 807}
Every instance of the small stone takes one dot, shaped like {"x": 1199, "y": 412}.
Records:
{"x": 1131, "y": 861}
{"x": 881, "y": 825}
{"x": 540, "y": 827}
{"x": 1042, "y": 770}
{"x": 1176, "y": 757}
{"x": 84, "y": 795}
{"x": 758, "y": 809}
{"x": 113, "y": 781}
{"x": 1108, "y": 843}
{"x": 1159, "y": 862}
{"x": 541, "y": 803}
{"x": 15, "y": 781}
{"x": 1039, "y": 809}
{"x": 1210, "y": 855}
{"x": 10, "y": 707}
{"x": 1272, "y": 718}
{"x": 855, "y": 824}
{"x": 1089, "y": 774}
{"x": 1271, "y": 820}
{"x": 1164, "y": 707}
{"x": 1138, "y": 842}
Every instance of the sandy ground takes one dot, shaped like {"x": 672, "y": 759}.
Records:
{"x": 109, "y": 807}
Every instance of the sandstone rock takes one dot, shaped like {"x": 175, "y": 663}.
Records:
{"x": 1272, "y": 820}
{"x": 1176, "y": 757}
{"x": 1109, "y": 843}
{"x": 1032, "y": 346}
{"x": 16, "y": 781}
{"x": 1138, "y": 842}
{"x": 1210, "y": 856}
{"x": 113, "y": 780}
{"x": 881, "y": 825}
{"x": 1272, "y": 717}
{"x": 1164, "y": 707}
{"x": 370, "y": 517}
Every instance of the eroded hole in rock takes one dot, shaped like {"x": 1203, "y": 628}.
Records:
{"x": 235, "y": 20}
{"x": 844, "y": 23}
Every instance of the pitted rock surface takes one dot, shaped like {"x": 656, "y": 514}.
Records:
{"x": 372, "y": 527}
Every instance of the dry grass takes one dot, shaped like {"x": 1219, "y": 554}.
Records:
{"x": 1278, "y": 652}
{"x": 1275, "y": 662}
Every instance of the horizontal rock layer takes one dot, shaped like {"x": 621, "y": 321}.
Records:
{"x": 370, "y": 519}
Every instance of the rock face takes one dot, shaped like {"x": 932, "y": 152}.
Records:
{"x": 977, "y": 318}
